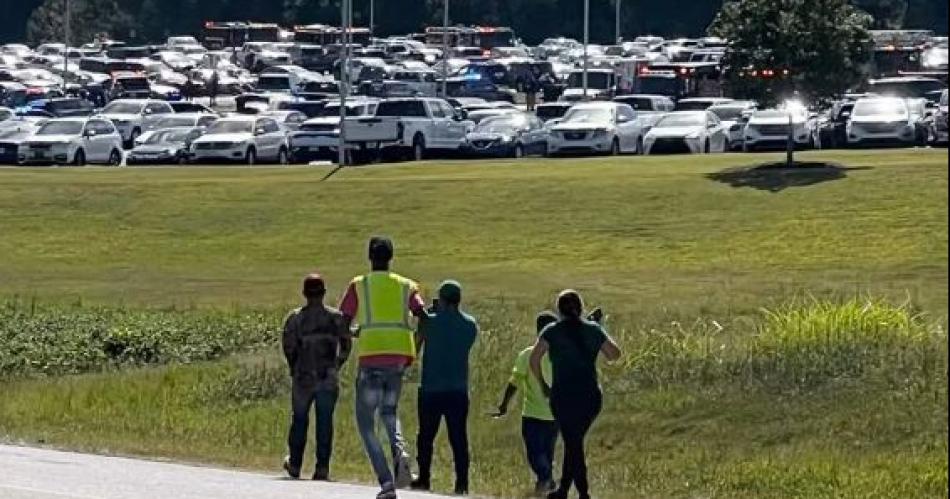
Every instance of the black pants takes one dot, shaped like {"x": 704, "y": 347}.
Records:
{"x": 540, "y": 438}
{"x": 575, "y": 413}
{"x": 324, "y": 402}
{"x": 453, "y": 406}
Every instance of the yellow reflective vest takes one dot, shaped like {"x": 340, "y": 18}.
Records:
{"x": 383, "y": 300}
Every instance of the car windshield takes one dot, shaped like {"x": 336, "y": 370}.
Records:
{"x": 550, "y": 112}
{"x": 879, "y": 107}
{"x": 175, "y": 121}
{"x": 639, "y": 103}
{"x": 231, "y": 127}
{"x": 595, "y": 80}
{"x": 273, "y": 83}
{"x": 693, "y": 105}
{"x": 908, "y": 88}
{"x": 334, "y": 110}
{"x": 123, "y": 108}
{"x": 684, "y": 119}
{"x": 61, "y": 128}
{"x": 168, "y": 136}
{"x": 592, "y": 114}
{"x": 727, "y": 113}
{"x": 133, "y": 83}
{"x": 500, "y": 124}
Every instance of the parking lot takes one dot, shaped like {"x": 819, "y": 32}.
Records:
{"x": 249, "y": 94}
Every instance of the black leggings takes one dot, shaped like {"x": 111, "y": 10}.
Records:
{"x": 575, "y": 414}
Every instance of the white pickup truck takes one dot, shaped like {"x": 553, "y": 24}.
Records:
{"x": 319, "y": 138}
{"x": 418, "y": 126}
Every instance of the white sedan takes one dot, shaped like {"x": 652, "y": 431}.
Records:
{"x": 244, "y": 139}
{"x": 686, "y": 132}
{"x": 597, "y": 127}
{"x": 75, "y": 141}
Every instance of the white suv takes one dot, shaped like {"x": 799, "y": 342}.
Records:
{"x": 75, "y": 141}
{"x": 598, "y": 127}
{"x": 242, "y": 139}
{"x": 881, "y": 120}
{"x": 131, "y": 116}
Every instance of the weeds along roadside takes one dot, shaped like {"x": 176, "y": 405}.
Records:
{"x": 796, "y": 346}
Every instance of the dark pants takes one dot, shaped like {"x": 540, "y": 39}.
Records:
{"x": 575, "y": 413}
{"x": 325, "y": 403}
{"x": 540, "y": 438}
{"x": 453, "y": 406}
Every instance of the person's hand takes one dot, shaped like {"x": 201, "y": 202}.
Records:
{"x": 502, "y": 412}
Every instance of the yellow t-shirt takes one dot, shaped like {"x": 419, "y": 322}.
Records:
{"x": 533, "y": 402}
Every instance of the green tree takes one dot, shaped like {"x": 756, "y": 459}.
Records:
{"x": 816, "y": 48}
{"x": 87, "y": 19}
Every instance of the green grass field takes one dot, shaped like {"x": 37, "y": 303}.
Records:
{"x": 840, "y": 391}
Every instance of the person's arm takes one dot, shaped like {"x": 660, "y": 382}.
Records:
{"x": 290, "y": 342}
{"x": 538, "y": 353}
{"x": 349, "y": 305}
{"x": 609, "y": 349}
{"x": 346, "y": 342}
{"x": 510, "y": 392}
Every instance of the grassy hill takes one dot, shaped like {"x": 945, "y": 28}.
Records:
{"x": 125, "y": 279}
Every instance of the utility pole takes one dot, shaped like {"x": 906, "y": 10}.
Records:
{"x": 372, "y": 18}
{"x": 619, "y": 38}
{"x": 445, "y": 49}
{"x": 345, "y": 14}
{"x": 586, "y": 42}
{"x": 66, "y": 49}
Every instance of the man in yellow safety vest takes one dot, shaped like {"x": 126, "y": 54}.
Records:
{"x": 382, "y": 303}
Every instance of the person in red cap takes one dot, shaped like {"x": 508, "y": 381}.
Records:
{"x": 316, "y": 343}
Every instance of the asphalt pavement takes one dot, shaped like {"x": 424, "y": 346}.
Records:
{"x": 28, "y": 473}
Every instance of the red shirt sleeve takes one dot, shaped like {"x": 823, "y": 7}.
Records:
{"x": 350, "y": 303}
{"x": 416, "y": 304}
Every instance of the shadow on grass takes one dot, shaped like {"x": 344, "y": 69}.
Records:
{"x": 776, "y": 177}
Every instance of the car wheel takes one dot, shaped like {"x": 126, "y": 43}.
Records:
{"x": 182, "y": 160}
{"x": 250, "y": 157}
{"x": 418, "y": 148}
{"x": 115, "y": 158}
{"x": 615, "y": 148}
{"x": 282, "y": 157}
{"x": 80, "y": 158}
{"x": 135, "y": 134}
{"x": 518, "y": 151}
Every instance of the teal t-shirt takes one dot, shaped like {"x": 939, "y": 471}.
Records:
{"x": 573, "y": 348}
{"x": 449, "y": 337}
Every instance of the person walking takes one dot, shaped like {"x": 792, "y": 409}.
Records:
{"x": 538, "y": 428}
{"x": 316, "y": 344}
{"x": 445, "y": 341}
{"x": 573, "y": 344}
{"x": 381, "y": 303}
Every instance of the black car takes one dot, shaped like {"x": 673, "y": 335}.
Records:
{"x": 165, "y": 147}
{"x": 512, "y": 135}
{"x": 60, "y": 108}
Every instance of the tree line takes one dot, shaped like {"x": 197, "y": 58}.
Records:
{"x": 150, "y": 21}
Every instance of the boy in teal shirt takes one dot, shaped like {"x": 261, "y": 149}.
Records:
{"x": 538, "y": 428}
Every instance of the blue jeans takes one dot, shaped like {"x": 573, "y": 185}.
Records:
{"x": 325, "y": 403}
{"x": 540, "y": 438}
{"x": 378, "y": 391}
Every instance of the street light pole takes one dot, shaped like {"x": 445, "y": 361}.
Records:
{"x": 586, "y": 42}
{"x": 619, "y": 38}
{"x": 372, "y": 18}
{"x": 345, "y": 13}
{"x": 445, "y": 49}
{"x": 66, "y": 48}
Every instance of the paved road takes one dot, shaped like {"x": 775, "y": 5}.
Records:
{"x": 27, "y": 473}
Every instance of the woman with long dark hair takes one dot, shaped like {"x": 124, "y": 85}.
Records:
{"x": 573, "y": 344}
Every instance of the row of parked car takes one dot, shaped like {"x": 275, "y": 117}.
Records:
{"x": 160, "y": 132}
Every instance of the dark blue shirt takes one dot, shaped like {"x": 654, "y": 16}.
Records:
{"x": 449, "y": 336}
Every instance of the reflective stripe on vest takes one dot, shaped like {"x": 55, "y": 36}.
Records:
{"x": 384, "y": 315}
